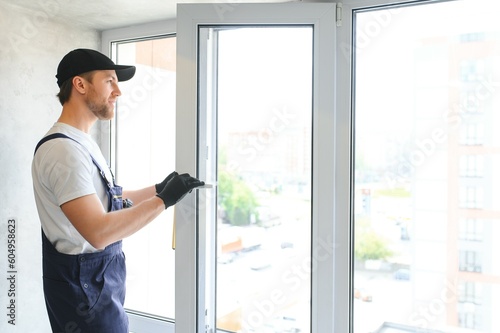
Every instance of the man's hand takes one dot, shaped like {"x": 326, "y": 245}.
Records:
{"x": 177, "y": 187}
{"x": 160, "y": 186}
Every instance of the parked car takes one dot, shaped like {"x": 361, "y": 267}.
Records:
{"x": 363, "y": 294}
{"x": 260, "y": 261}
{"x": 402, "y": 274}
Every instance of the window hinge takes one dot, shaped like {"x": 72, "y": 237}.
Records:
{"x": 338, "y": 14}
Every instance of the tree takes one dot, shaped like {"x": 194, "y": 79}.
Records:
{"x": 369, "y": 246}
{"x": 236, "y": 198}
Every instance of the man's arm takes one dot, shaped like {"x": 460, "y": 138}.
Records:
{"x": 101, "y": 228}
{"x": 138, "y": 196}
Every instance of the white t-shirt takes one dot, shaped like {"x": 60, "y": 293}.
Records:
{"x": 62, "y": 171}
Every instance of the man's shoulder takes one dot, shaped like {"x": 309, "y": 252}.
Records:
{"x": 62, "y": 152}
{"x": 61, "y": 145}
{"x": 64, "y": 139}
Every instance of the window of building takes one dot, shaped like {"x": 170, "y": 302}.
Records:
{"x": 471, "y": 166}
{"x": 471, "y": 229}
{"x": 470, "y": 261}
{"x": 470, "y": 292}
{"x": 472, "y": 134}
{"x": 471, "y": 196}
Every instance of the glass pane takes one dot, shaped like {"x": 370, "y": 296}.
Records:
{"x": 145, "y": 154}
{"x": 264, "y": 117}
{"x": 427, "y": 150}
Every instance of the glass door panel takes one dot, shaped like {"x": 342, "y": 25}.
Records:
{"x": 261, "y": 83}
{"x": 426, "y": 193}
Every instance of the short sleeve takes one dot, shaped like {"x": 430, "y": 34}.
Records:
{"x": 67, "y": 168}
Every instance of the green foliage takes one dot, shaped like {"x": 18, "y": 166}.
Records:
{"x": 370, "y": 246}
{"x": 236, "y": 198}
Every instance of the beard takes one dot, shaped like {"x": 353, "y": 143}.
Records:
{"x": 99, "y": 106}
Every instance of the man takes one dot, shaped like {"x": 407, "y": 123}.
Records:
{"x": 80, "y": 206}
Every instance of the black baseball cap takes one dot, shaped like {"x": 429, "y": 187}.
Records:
{"x": 80, "y": 61}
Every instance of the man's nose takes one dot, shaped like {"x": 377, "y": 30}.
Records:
{"x": 117, "y": 91}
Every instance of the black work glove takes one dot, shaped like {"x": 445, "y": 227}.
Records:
{"x": 177, "y": 188}
{"x": 160, "y": 186}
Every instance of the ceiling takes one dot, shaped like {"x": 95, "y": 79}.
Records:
{"x": 109, "y": 14}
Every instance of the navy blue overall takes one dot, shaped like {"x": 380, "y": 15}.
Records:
{"x": 85, "y": 293}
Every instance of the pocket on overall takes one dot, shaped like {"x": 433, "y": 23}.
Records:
{"x": 115, "y": 196}
{"x": 61, "y": 289}
{"x": 102, "y": 281}
{"x": 62, "y": 296}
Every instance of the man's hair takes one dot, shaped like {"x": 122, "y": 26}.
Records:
{"x": 67, "y": 86}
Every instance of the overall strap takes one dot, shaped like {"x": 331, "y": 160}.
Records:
{"x": 61, "y": 135}
{"x": 50, "y": 137}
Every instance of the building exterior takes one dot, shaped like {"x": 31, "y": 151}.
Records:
{"x": 456, "y": 132}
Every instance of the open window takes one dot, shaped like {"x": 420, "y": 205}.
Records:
{"x": 256, "y": 107}
{"x": 352, "y": 154}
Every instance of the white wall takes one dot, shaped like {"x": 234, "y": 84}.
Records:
{"x": 32, "y": 44}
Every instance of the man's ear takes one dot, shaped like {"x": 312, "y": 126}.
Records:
{"x": 80, "y": 84}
